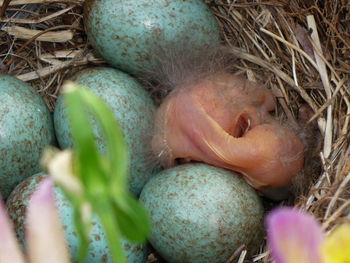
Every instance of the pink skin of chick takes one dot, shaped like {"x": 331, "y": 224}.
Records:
{"x": 224, "y": 120}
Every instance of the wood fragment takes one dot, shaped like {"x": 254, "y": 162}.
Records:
{"x": 327, "y": 147}
{"x": 302, "y": 52}
{"x": 36, "y": 20}
{"x": 331, "y": 204}
{"x": 41, "y": 73}
{"x": 329, "y": 101}
{"x": 336, "y": 214}
{"x": 63, "y": 54}
{"x": 237, "y": 252}
{"x": 4, "y": 7}
{"x": 33, "y": 39}
{"x": 27, "y": 2}
{"x": 242, "y": 256}
{"x": 242, "y": 54}
{"x": 261, "y": 256}
{"x": 25, "y": 33}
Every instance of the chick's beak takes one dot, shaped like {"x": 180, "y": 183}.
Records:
{"x": 224, "y": 121}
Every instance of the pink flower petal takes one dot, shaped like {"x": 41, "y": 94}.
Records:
{"x": 44, "y": 234}
{"x": 10, "y": 250}
{"x": 293, "y": 236}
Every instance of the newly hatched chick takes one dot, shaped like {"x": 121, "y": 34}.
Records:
{"x": 212, "y": 116}
{"x": 224, "y": 121}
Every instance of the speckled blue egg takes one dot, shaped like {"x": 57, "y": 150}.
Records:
{"x": 126, "y": 32}
{"x": 98, "y": 251}
{"x": 25, "y": 129}
{"x": 201, "y": 213}
{"x": 133, "y": 108}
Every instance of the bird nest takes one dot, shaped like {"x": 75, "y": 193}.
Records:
{"x": 298, "y": 49}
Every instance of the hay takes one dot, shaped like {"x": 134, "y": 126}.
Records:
{"x": 43, "y": 42}
{"x": 299, "y": 49}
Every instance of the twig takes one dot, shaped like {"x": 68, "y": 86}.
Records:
{"x": 336, "y": 214}
{"x": 25, "y": 33}
{"x": 311, "y": 198}
{"x": 242, "y": 256}
{"x": 242, "y": 54}
{"x": 3, "y": 7}
{"x": 261, "y": 256}
{"x": 329, "y": 101}
{"x": 43, "y": 72}
{"x": 291, "y": 46}
{"x": 340, "y": 189}
{"x": 321, "y": 66}
{"x": 33, "y": 39}
{"x": 36, "y": 20}
{"x": 25, "y": 2}
{"x": 237, "y": 252}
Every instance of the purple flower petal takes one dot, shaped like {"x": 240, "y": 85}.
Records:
{"x": 44, "y": 234}
{"x": 293, "y": 236}
{"x": 10, "y": 250}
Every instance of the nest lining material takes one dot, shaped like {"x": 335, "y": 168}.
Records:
{"x": 299, "y": 49}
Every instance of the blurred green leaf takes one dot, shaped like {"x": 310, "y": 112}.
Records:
{"x": 102, "y": 175}
{"x": 133, "y": 218}
{"x": 112, "y": 230}
{"x": 117, "y": 152}
{"x": 87, "y": 162}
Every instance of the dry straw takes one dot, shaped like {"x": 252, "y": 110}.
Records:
{"x": 300, "y": 49}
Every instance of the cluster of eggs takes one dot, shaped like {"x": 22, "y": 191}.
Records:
{"x": 199, "y": 213}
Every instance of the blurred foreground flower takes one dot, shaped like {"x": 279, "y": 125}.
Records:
{"x": 294, "y": 236}
{"x": 44, "y": 237}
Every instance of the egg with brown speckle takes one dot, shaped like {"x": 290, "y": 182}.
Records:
{"x": 126, "y": 33}
{"x": 201, "y": 213}
{"x": 26, "y": 128}
{"x": 98, "y": 251}
{"x": 132, "y": 107}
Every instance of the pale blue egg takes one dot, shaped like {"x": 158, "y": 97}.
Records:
{"x": 26, "y": 128}
{"x": 98, "y": 251}
{"x": 132, "y": 107}
{"x": 201, "y": 213}
{"x": 126, "y": 32}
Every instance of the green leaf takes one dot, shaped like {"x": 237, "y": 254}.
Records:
{"x": 103, "y": 175}
{"x": 88, "y": 166}
{"x": 133, "y": 218}
{"x": 117, "y": 151}
{"x": 82, "y": 232}
{"x": 112, "y": 230}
